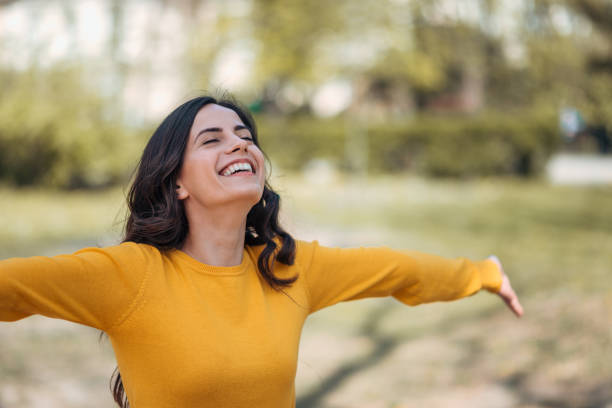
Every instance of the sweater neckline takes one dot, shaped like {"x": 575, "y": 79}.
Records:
{"x": 213, "y": 269}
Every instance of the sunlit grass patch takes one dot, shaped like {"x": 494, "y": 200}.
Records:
{"x": 548, "y": 236}
{"x": 555, "y": 243}
{"x": 31, "y": 219}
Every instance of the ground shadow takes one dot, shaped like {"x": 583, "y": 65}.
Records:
{"x": 594, "y": 395}
{"x": 384, "y": 344}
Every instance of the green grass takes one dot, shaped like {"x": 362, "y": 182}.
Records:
{"x": 547, "y": 236}
{"x": 34, "y": 221}
{"x": 554, "y": 242}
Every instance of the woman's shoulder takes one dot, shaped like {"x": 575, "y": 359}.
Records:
{"x": 125, "y": 252}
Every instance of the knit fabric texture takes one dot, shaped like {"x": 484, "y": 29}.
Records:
{"x": 187, "y": 334}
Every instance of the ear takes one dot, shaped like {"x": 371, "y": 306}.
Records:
{"x": 181, "y": 191}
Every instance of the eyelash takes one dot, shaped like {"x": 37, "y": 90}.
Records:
{"x": 249, "y": 138}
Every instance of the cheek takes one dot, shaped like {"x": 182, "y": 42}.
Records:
{"x": 196, "y": 169}
{"x": 262, "y": 167}
{"x": 259, "y": 157}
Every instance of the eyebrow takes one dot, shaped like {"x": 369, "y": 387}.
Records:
{"x": 218, "y": 129}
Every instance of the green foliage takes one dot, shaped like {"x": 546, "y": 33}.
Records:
{"x": 56, "y": 131}
{"x": 447, "y": 146}
{"x": 401, "y": 58}
{"x": 290, "y": 32}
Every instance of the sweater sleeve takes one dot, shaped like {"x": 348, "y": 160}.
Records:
{"x": 94, "y": 286}
{"x": 333, "y": 275}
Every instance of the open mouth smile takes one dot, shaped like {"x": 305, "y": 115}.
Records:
{"x": 238, "y": 167}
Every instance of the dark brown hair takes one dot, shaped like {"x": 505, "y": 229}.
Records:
{"x": 157, "y": 217}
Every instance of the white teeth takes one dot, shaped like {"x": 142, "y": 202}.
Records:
{"x": 231, "y": 169}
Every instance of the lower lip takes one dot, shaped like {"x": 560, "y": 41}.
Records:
{"x": 241, "y": 173}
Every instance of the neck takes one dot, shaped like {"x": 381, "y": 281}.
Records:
{"x": 216, "y": 237}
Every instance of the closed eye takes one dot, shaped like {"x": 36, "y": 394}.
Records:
{"x": 210, "y": 141}
{"x": 249, "y": 138}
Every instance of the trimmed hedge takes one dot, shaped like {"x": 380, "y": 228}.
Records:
{"x": 60, "y": 135}
{"x": 444, "y": 146}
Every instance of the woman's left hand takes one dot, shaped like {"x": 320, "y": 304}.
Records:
{"x": 506, "y": 292}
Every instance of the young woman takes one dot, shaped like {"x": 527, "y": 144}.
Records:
{"x": 205, "y": 299}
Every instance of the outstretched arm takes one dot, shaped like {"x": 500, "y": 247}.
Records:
{"x": 332, "y": 275}
{"x": 94, "y": 286}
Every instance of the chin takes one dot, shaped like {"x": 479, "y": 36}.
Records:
{"x": 250, "y": 195}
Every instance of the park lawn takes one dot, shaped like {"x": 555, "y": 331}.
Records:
{"x": 555, "y": 242}
{"x": 35, "y": 222}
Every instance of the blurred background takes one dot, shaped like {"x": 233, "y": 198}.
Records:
{"x": 457, "y": 127}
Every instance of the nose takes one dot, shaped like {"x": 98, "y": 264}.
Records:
{"x": 238, "y": 144}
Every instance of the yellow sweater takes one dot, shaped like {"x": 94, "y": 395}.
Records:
{"x": 187, "y": 334}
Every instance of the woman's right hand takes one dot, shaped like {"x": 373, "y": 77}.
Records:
{"x": 506, "y": 292}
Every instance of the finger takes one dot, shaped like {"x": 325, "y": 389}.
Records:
{"x": 517, "y": 308}
{"x": 514, "y": 305}
{"x": 509, "y": 296}
{"x": 511, "y": 300}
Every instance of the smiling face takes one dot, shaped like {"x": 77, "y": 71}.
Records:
{"x": 221, "y": 164}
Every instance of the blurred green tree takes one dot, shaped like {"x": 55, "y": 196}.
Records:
{"x": 402, "y": 59}
{"x": 56, "y": 130}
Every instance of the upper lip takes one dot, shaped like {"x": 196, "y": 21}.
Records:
{"x": 241, "y": 160}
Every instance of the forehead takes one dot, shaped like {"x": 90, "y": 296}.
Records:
{"x": 213, "y": 115}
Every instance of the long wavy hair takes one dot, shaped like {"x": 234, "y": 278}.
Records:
{"x": 157, "y": 217}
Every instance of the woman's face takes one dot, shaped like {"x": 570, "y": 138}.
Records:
{"x": 221, "y": 165}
